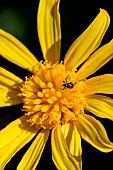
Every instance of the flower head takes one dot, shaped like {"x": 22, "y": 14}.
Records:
{"x": 56, "y": 96}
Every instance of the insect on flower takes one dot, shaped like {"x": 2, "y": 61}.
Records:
{"x": 49, "y": 110}
{"x": 67, "y": 84}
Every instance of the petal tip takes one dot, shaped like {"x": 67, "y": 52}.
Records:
{"x": 105, "y": 14}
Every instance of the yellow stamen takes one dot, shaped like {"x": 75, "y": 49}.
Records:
{"x": 44, "y": 91}
{"x": 40, "y": 94}
{"x": 52, "y": 90}
{"x": 45, "y": 108}
{"x": 46, "y": 103}
{"x": 37, "y": 101}
{"x": 50, "y": 101}
{"x": 56, "y": 107}
{"x": 49, "y": 85}
{"x": 42, "y": 85}
{"x": 58, "y": 94}
{"x": 46, "y": 95}
{"x": 54, "y": 98}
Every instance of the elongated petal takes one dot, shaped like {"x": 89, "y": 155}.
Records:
{"x": 9, "y": 97}
{"x": 96, "y": 61}
{"x": 32, "y": 156}
{"x": 100, "y": 84}
{"x": 73, "y": 141}
{"x": 100, "y": 105}
{"x": 88, "y": 41}
{"x": 9, "y": 88}
{"x": 93, "y": 132}
{"x": 14, "y": 51}
{"x": 13, "y": 137}
{"x": 60, "y": 152}
{"x": 8, "y": 79}
{"x": 49, "y": 29}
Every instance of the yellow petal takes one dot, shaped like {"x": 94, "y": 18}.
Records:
{"x": 60, "y": 152}
{"x": 88, "y": 41}
{"x": 96, "y": 61}
{"x": 73, "y": 141}
{"x": 100, "y": 105}
{"x": 9, "y": 97}
{"x": 8, "y": 79}
{"x": 14, "y": 51}
{"x": 100, "y": 84}
{"x": 13, "y": 137}
{"x": 9, "y": 88}
{"x": 93, "y": 132}
{"x": 32, "y": 156}
{"x": 49, "y": 29}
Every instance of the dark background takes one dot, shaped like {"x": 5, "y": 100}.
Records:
{"x": 20, "y": 19}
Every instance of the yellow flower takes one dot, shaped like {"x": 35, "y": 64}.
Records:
{"x": 56, "y": 96}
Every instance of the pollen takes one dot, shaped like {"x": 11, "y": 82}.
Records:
{"x": 47, "y": 100}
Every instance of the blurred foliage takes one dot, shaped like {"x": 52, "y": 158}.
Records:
{"x": 20, "y": 18}
{"x": 14, "y": 21}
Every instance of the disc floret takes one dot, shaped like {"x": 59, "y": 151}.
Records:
{"x": 46, "y": 103}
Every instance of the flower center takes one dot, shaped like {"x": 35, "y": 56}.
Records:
{"x": 52, "y": 95}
